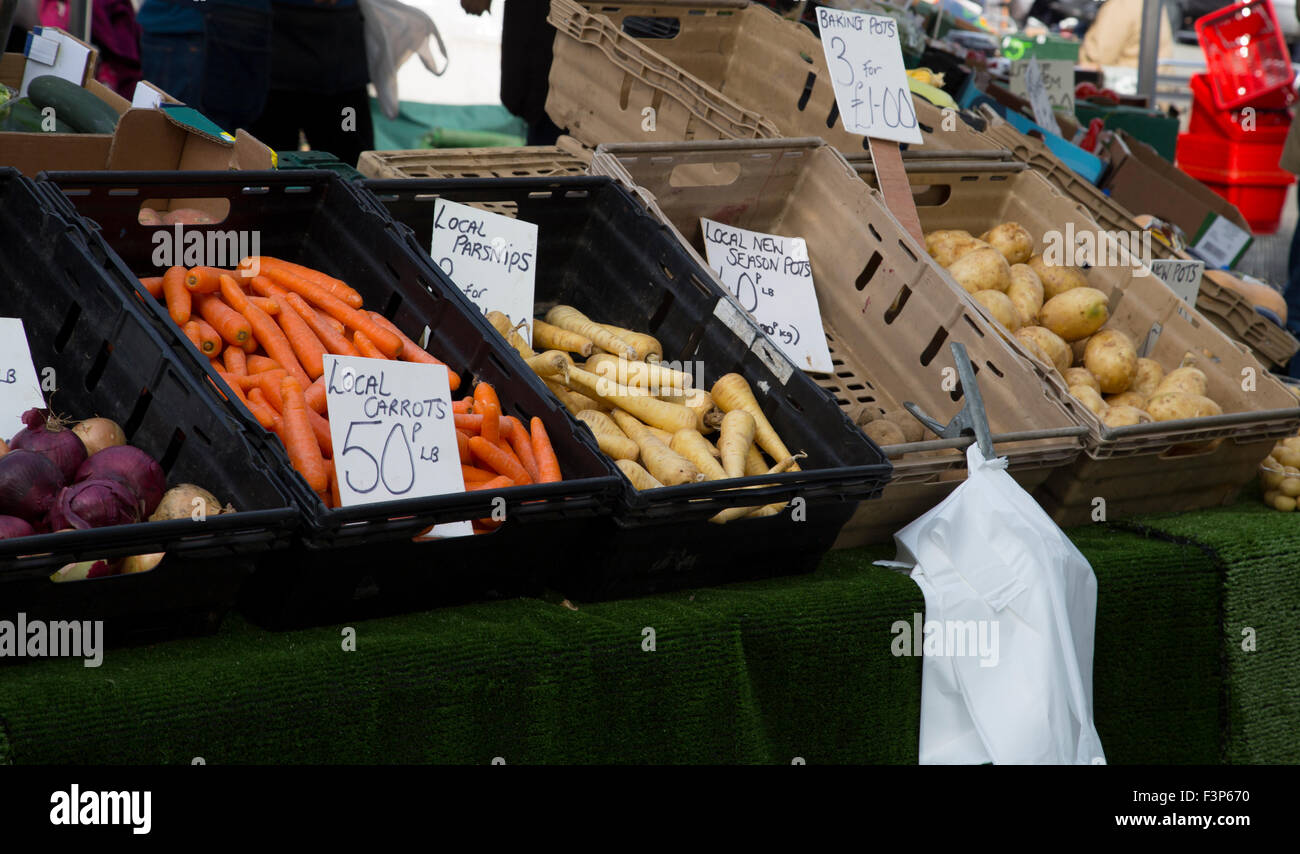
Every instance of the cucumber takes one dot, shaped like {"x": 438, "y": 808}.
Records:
{"x": 22, "y": 116}
{"x": 72, "y": 104}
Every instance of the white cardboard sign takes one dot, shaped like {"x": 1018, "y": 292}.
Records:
{"x": 865, "y": 61}
{"x": 20, "y": 390}
{"x": 1221, "y": 243}
{"x": 54, "y": 52}
{"x": 1057, "y": 77}
{"x": 393, "y": 432}
{"x": 771, "y": 277}
{"x": 1181, "y": 275}
{"x": 1036, "y": 92}
{"x": 492, "y": 258}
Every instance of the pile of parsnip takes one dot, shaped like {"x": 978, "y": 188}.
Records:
{"x": 647, "y": 416}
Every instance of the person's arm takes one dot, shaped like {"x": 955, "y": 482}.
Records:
{"x": 1104, "y": 42}
{"x": 475, "y": 7}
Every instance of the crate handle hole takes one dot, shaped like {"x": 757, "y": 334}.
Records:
{"x": 65, "y": 331}
{"x": 864, "y": 278}
{"x": 807, "y": 90}
{"x": 652, "y": 27}
{"x": 625, "y": 91}
{"x": 138, "y": 412}
{"x": 97, "y": 367}
{"x": 833, "y": 115}
{"x": 704, "y": 174}
{"x": 932, "y": 349}
{"x": 932, "y": 195}
{"x": 166, "y": 213}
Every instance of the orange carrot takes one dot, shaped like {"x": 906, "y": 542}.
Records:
{"x": 388, "y": 343}
{"x": 273, "y": 341}
{"x": 412, "y": 352}
{"x": 462, "y": 445}
{"x": 179, "y": 303}
{"x": 472, "y": 424}
{"x": 251, "y": 346}
{"x": 152, "y": 284}
{"x": 501, "y": 482}
{"x": 333, "y": 339}
{"x": 262, "y": 411}
{"x": 191, "y": 330}
{"x": 262, "y": 364}
{"x": 462, "y": 406}
{"x": 267, "y": 381}
{"x": 264, "y": 287}
{"x": 315, "y": 395}
{"x": 231, "y": 292}
{"x": 299, "y": 438}
{"x": 547, "y": 464}
{"x": 365, "y": 347}
{"x": 498, "y": 460}
{"x": 232, "y": 326}
{"x": 234, "y": 386}
{"x": 485, "y": 393}
{"x": 517, "y": 436}
{"x": 319, "y": 426}
{"x": 236, "y": 361}
{"x": 476, "y": 475}
{"x": 306, "y": 346}
{"x": 210, "y": 340}
{"x": 332, "y": 286}
{"x": 491, "y": 428}
{"x": 266, "y": 304}
{"x": 203, "y": 280}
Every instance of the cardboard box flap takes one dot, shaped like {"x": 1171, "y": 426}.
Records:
{"x": 149, "y": 139}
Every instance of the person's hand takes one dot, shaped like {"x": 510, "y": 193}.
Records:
{"x": 475, "y": 7}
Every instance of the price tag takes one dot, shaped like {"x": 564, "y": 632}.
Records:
{"x": 865, "y": 61}
{"x": 771, "y": 277}
{"x": 1057, "y": 78}
{"x": 393, "y": 432}
{"x": 1036, "y": 91}
{"x": 1220, "y": 242}
{"x": 1182, "y": 275}
{"x": 492, "y": 258}
{"x": 20, "y": 390}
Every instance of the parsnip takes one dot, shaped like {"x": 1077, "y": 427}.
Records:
{"x": 733, "y": 392}
{"x": 502, "y": 324}
{"x": 737, "y": 438}
{"x": 733, "y": 513}
{"x": 668, "y": 467}
{"x": 640, "y": 478}
{"x": 574, "y": 401}
{"x": 700, "y": 402}
{"x": 657, "y": 413}
{"x": 568, "y": 317}
{"x": 647, "y": 347}
{"x": 699, "y": 450}
{"x": 613, "y": 441}
{"x": 550, "y": 337}
{"x": 658, "y": 379}
{"x": 553, "y": 364}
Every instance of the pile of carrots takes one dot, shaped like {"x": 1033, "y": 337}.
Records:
{"x": 266, "y": 326}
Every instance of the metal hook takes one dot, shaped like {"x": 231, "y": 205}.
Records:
{"x": 972, "y": 419}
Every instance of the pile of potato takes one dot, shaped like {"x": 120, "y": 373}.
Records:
{"x": 1279, "y": 475}
{"x": 1055, "y": 315}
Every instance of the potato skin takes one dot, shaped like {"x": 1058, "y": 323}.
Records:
{"x": 999, "y": 305}
{"x": 1125, "y": 416}
{"x": 1050, "y": 342}
{"x": 1128, "y": 398}
{"x": 1026, "y": 291}
{"x": 982, "y": 269}
{"x": 1175, "y": 405}
{"x": 1075, "y": 314}
{"x": 1057, "y": 278}
{"x": 1012, "y": 240}
{"x": 1089, "y": 397}
{"x": 913, "y": 430}
{"x": 884, "y": 432}
{"x": 1186, "y": 380}
{"x": 1149, "y": 375}
{"x": 1081, "y": 376}
{"x": 1111, "y": 357}
{"x": 947, "y": 245}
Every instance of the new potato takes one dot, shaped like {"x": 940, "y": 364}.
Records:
{"x": 1124, "y": 416}
{"x": 1111, "y": 357}
{"x": 1004, "y": 311}
{"x": 884, "y": 432}
{"x": 1026, "y": 291}
{"x": 982, "y": 269}
{"x": 1186, "y": 380}
{"x": 1149, "y": 375}
{"x": 1080, "y": 376}
{"x": 1089, "y": 397}
{"x": 1011, "y": 239}
{"x": 1075, "y": 314}
{"x": 1127, "y": 398}
{"x": 1175, "y": 405}
{"x": 1050, "y": 343}
{"x": 912, "y": 430}
{"x": 950, "y": 244}
{"x": 1057, "y": 278}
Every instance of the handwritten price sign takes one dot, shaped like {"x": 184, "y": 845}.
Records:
{"x": 492, "y": 258}
{"x": 19, "y": 388}
{"x": 394, "y": 426}
{"x": 771, "y": 277}
{"x": 865, "y": 61}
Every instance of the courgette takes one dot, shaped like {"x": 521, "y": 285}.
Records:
{"x": 21, "y": 116}
{"x": 72, "y": 104}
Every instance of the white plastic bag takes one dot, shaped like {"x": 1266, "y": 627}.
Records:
{"x": 994, "y": 567}
{"x": 394, "y": 31}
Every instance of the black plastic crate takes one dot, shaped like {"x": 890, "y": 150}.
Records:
{"x": 109, "y": 360}
{"x": 362, "y": 561}
{"x": 601, "y": 251}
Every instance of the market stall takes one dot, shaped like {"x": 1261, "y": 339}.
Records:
{"x": 598, "y": 451}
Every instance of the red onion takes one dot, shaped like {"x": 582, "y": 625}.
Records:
{"x": 131, "y": 467}
{"x": 12, "y": 526}
{"x": 94, "y": 504}
{"x": 29, "y": 484}
{"x": 48, "y": 437}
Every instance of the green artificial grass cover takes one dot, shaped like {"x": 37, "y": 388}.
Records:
{"x": 763, "y": 672}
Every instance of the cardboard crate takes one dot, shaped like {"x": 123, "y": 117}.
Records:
{"x": 888, "y": 310}
{"x": 144, "y": 139}
{"x": 1176, "y": 465}
{"x": 731, "y": 70}
{"x": 566, "y": 157}
{"x": 1226, "y": 309}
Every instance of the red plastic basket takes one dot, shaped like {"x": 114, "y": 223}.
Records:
{"x": 1245, "y": 174}
{"x": 1259, "y": 125}
{"x": 1245, "y": 52}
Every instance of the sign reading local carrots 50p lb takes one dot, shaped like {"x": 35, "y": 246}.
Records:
{"x": 393, "y": 432}
{"x": 491, "y": 258}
